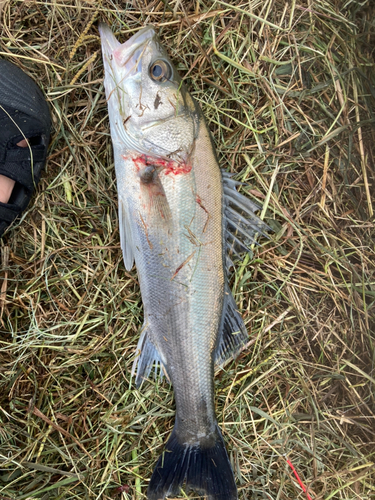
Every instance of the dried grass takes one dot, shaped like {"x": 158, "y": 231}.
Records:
{"x": 288, "y": 89}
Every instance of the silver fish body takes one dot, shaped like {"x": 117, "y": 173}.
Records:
{"x": 178, "y": 215}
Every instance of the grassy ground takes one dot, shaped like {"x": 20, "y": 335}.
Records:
{"x": 288, "y": 89}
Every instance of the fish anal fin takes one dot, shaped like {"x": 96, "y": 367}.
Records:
{"x": 233, "y": 334}
{"x": 147, "y": 358}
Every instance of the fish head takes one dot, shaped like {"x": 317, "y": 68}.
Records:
{"x": 149, "y": 108}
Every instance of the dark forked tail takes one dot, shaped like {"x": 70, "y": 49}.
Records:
{"x": 204, "y": 468}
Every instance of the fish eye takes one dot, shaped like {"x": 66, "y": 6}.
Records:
{"x": 160, "y": 71}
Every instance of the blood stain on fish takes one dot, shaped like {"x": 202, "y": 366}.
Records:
{"x": 165, "y": 166}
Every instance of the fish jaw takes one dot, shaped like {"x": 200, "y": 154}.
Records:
{"x": 123, "y": 59}
{"x": 121, "y": 65}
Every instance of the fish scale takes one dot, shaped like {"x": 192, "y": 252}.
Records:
{"x": 182, "y": 222}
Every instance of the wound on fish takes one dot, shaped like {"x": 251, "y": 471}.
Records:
{"x": 165, "y": 166}
{"x": 147, "y": 174}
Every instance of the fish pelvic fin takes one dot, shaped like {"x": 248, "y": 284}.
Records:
{"x": 147, "y": 359}
{"x": 233, "y": 333}
{"x": 125, "y": 234}
{"x": 203, "y": 467}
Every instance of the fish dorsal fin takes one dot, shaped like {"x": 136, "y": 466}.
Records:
{"x": 147, "y": 358}
{"x": 240, "y": 222}
{"x": 232, "y": 333}
{"x": 241, "y": 226}
{"x": 125, "y": 234}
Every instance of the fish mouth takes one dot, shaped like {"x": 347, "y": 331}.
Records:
{"x": 128, "y": 54}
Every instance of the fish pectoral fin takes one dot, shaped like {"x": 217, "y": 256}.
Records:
{"x": 240, "y": 222}
{"x": 126, "y": 239}
{"x": 232, "y": 333}
{"x": 153, "y": 195}
{"x": 147, "y": 358}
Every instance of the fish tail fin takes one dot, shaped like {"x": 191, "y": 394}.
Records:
{"x": 203, "y": 467}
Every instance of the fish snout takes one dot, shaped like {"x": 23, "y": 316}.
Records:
{"x": 125, "y": 56}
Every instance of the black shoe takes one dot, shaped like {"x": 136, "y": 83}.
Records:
{"x": 24, "y": 114}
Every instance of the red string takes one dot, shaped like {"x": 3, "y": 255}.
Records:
{"x": 298, "y": 479}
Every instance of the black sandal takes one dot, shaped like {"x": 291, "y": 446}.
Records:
{"x": 24, "y": 114}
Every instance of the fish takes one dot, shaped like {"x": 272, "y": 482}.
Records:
{"x": 183, "y": 223}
